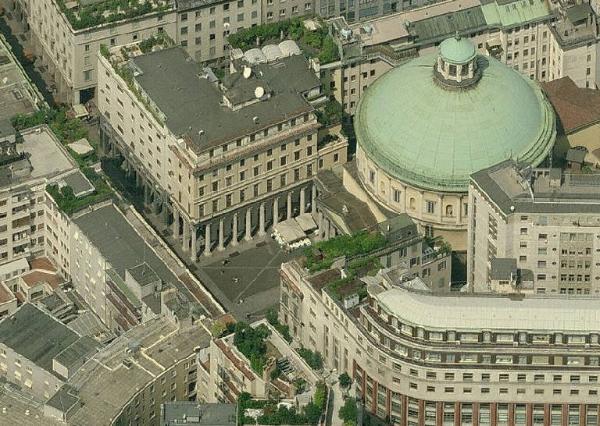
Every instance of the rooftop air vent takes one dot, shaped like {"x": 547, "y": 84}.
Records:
{"x": 259, "y": 92}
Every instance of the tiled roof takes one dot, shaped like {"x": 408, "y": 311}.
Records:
{"x": 576, "y": 107}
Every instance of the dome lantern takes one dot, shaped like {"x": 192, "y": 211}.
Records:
{"x": 456, "y": 64}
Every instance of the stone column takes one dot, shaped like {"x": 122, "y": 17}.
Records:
{"x": 185, "y": 244}
{"x": 321, "y": 224}
{"x": 261, "y": 220}
{"x": 289, "y": 206}
{"x": 155, "y": 204}
{"x": 313, "y": 199}
{"x": 194, "y": 254}
{"x": 234, "y": 230}
{"x": 207, "y": 242}
{"x": 165, "y": 213}
{"x": 221, "y": 245}
{"x": 275, "y": 211}
{"x": 327, "y": 229}
{"x": 146, "y": 194}
{"x": 176, "y": 229}
{"x": 248, "y": 236}
{"x": 302, "y": 199}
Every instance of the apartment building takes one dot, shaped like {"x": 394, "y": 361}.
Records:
{"x": 544, "y": 41}
{"x": 216, "y": 157}
{"x": 38, "y": 352}
{"x": 127, "y": 381}
{"x": 224, "y": 372}
{"x": 203, "y": 27}
{"x": 574, "y": 45}
{"x": 66, "y": 36}
{"x": 29, "y": 165}
{"x": 578, "y": 112}
{"x": 544, "y": 220}
{"x": 115, "y": 271}
{"x": 417, "y": 358}
{"x": 359, "y": 11}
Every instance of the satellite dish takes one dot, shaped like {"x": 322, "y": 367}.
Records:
{"x": 259, "y": 92}
{"x": 247, "y": 72}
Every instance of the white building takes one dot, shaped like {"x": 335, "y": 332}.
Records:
{"x": 544, "y": 220}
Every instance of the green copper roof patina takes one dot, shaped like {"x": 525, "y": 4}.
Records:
{"x": 434, "y": 138}
{"x": 457, "y": 50}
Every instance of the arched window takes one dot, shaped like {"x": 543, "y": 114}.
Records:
{"x": 411, "y": 203}
{"x": 449, "y": 210}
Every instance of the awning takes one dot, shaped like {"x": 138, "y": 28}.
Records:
{"x": 306, "y": 222}
{"x": 79, "y": 111}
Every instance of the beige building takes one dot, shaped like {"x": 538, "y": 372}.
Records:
{"x": 203, "y": 27}
{"x": 224, "y": 372}
{"x": 120, "y": 277}
{"x": 33, "y": 162}
{"x": 67, "y": 36}
{"x": 216, "y": 157}
{"x": 418, "y": 358}
{"x": 544, "y": 220}
{"x": 126, "y": 381}
{"x": 38, "y": 352}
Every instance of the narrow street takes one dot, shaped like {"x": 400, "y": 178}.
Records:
{"x": 18, "y": 40}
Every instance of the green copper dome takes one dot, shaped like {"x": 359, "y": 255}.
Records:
{"x": 434, "y": 137}
{"x": 457, "y": 50}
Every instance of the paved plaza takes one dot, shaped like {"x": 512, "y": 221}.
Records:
{"x": 244, "y": 279}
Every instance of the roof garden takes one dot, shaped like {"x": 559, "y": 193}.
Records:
{"x": 119, "y": 58}
{"x": 83, "y": 14}
{"x": 361, "y": 252}
{"x": 322, "y": 255}
{"x": 315, "y": 40}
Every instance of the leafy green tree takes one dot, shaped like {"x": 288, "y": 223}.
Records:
{"x": 312, "y": 413}
{"x": 349, "y": 411}
{"x": 345, "y": 380}
{"x": 320, "y": 396}
{"x": 313, "y": 359}
{"x": 251, "y": 342}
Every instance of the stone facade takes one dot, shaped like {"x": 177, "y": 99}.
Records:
{"x": 70, "y": 54}
{"x": 560, "y": 248}
{"x": 224, "y": 192}
{"x": 408, "y": 373}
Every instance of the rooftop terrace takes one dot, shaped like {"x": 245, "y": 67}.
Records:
{"x": 41, "y": 338}
{"x": 83, "y": 14}
{"x": 515, "y": 189}
{"x": 205, "y": 113}
{"x": 104, "y": 384}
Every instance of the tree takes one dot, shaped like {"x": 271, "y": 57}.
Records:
{"x": 313, "y": 359}
{"x": 272, "y": 317}
{"x": 320, "y": 396}
{"x": 312, "y": 413}
{"x": 349, "y": 412}
{"x": 345, "y": 380}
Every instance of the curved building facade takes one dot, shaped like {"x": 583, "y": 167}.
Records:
{"x": 424, "y": 127}
{"x": 419, "y": 359}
